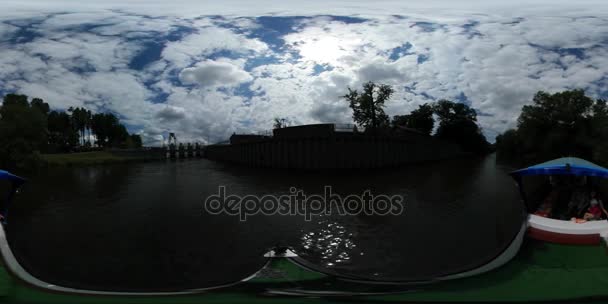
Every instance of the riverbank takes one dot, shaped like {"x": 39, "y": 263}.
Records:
{"x": 95, "y": 158}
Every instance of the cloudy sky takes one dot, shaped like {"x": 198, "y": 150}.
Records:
{"x": 206, "y": 69}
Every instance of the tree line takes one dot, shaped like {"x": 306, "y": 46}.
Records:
{"x": 457, "y": 121}
{"x": 567, "y": 123}
{"x": 28, "y": 128}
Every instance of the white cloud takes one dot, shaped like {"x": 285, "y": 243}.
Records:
{"x": 194, "y": 8}
{"x": 497, "y": 58}
{"x": 208, "y": 40}
{"x": 214, "y": 74}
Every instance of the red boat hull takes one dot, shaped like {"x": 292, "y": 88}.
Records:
{"x": 562, "y": 238}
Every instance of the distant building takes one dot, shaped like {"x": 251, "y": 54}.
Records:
{"x": 305, "y": 131}
{"x": 323, "y": 146}
{"x": 246, "y": 138}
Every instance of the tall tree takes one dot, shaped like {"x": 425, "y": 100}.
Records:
{"x": 62, "y": 136}
{"x": 562, "y": 124}
{"x": 118, "y": 135}
{"x": 104, "y": 127}
{"x": 108, "y": 130}
{"x": 136, "y": 139}
{"x": 280, "y": 123}
{"x": 368, "y": 105}
{"x": 80, "y": 121}
{"x": 88, "y": 120}
{"x": 22, "y": 131}
{"x": 420, "y": 119}
{"x": 458, "y": 123}
{"x": 40, "y": 105}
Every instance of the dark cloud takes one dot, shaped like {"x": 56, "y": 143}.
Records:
{"x": 330, "y": 112}
{"x": 170, "y": 113}
{"x": 379, "y": 72}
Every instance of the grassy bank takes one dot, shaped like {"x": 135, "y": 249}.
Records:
{"x": 85, "y": 158}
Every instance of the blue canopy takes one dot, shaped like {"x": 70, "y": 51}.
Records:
{"x": 11, "y": 177}
{"x": 564, "y": 166}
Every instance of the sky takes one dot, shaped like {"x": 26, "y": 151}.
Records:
{"x": 208, "y": 69}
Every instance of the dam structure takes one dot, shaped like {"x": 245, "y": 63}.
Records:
{"x": 331, "y": 146}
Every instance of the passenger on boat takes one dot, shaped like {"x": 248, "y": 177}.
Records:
{"x": 546, "y": 207}
{"x": 596, "y": 208}
{"x": 579, "y": 201}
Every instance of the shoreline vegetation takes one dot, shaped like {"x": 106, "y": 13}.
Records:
{"x": 29, "y": 130}
{"x": 567, "y": 123}
{"x": 31, "y": 135}
{"x": 563, "y": 124}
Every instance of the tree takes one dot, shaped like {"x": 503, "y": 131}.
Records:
{"x": 118, "y": 135}
{"x": 22, "y": 132}
{"x": 508, "y": 145}
{"x": 109, "y": 131}
{"x": 11, "y": 100}
{"x": 458, "y": 123}
{"x": 280, "y": 123}
{"x": 449, "y": 112}
{"x": 40, "y": 105}
{"x": 88, "y": 120}
{"x": 137, "y": 142}
{"x": 368, "y": 105}
{"x": 105, "y": 126}
{"x": 62, "y": 136}
{"x": 566, "y": 123}
{"x": 28, "y": 128}
{"x": 420, "y": 119}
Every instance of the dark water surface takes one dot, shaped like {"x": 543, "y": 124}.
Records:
{"x": 142, "y": 226}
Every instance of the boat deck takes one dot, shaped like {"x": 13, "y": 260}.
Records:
{"x": 540, "y": 272}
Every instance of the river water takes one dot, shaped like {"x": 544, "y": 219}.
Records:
{"x": 142, "y": 226}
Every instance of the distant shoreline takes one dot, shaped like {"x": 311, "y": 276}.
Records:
{"x": 97, "y": 158}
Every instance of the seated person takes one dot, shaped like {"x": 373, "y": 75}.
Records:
{"x": 578, "y": 203}
{"x": 596, "y": 208}
{"x": 546, "y": 207}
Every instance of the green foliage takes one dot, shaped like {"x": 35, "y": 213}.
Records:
{"x": 368, "y": 105}
{"x": 136, "y": 140}
{"x": 555, "y": 125}
{"x": 420, "y": 119}
{"x": 39, "y": 104}
{"x": 458, "y": 123}
{"x": 28, "y": 128}
{"x": 450, "y": 112}
{"x": 22, "y": 132}
{"x": 108, "y": 130}
{"x": 62, "y": 136}
{"x": 81, "y": 121}
{"x": 508, "y": 144}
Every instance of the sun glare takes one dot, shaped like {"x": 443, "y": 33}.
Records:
{"x": 326, "y": 50}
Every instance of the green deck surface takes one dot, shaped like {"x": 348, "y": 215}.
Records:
{"x": 540, "y": 272}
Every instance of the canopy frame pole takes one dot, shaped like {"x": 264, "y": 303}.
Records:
{"x": 522, "y": 193}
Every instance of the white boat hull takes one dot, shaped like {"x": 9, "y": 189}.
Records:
{"x": 566, "y": 232}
